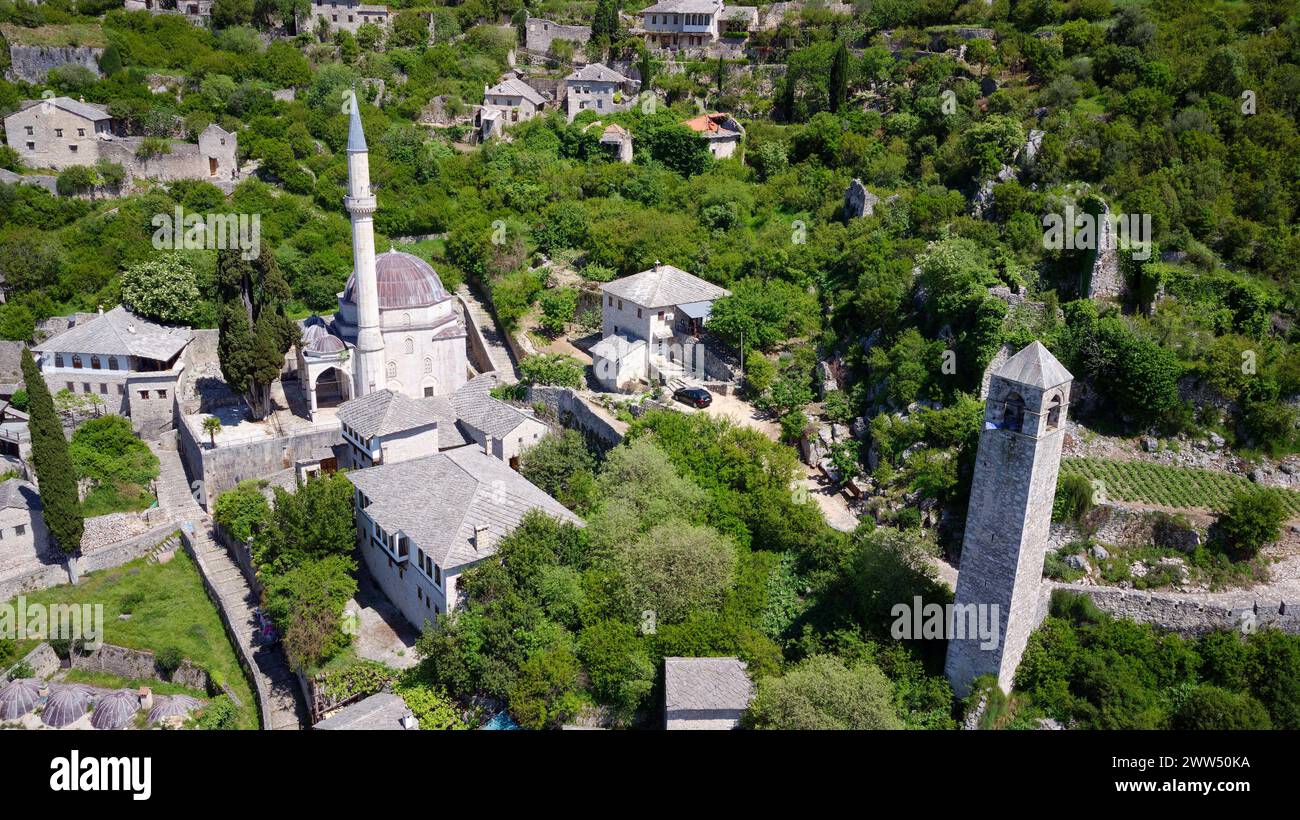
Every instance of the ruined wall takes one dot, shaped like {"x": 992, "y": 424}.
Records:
{"x": 573, "y": 412}
{"x": 1186, "y": 617}
{"x": 139, "y": 664}
{"x": 224, "y": 467}
{"x": 33, "y": 63}
{"x": 539, "y": 34}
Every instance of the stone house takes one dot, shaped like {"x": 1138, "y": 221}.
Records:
{"x": 508, "y": 102}
{"x": 58, "y": 132}
{"x": 62, "y": 132}
{"x": 22, "y": 526}
{"x": 386, "y": 427}
{"x": 131, "y": 364}
{"x": 423, "y": 522}
{"x": 738, "y": 21}
{"x": 500, "y": 430}
{"x": 650, "y": 326}
{"x": 705, "y": 693}
{"x": 617, "y": 140}
{"x": 596, "y": 87}
{"x": 721, "y": 131}
{"x": 672, "y": 25}
{"x": 198, "y": 12}
{"x": 348, "y": 15}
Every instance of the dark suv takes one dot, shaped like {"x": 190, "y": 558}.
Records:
{"x": 694, "y": 396}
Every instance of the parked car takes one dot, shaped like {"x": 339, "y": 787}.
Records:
{"x": 694, "y": 396}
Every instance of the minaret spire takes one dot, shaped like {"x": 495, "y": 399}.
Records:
{"x": 368, "y": 363}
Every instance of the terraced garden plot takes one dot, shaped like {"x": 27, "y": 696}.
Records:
{"x": 1166, "y": 485}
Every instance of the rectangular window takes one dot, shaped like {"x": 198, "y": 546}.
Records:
{"x": 21, "y": 529}
{"x": 121, "y": 390}
{"x": 620, "y": 304}
{"x": 103, "y": 388}
{"x": 661, "y": 315}
{"x": 162, "y": 394}
{"x": 85, "y": 387}
{"x": 58, "y": 132}
{"x": 144, "y": 394}
{"x": 72, "y": 388}
{"x": 31, "y": 146}
{"x": 81, "y": 132}
{"x": 638, "y": 314}
{"x": 72, "y": 148}
{"x": 30, "y": 132}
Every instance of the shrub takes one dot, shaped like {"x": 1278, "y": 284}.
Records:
{"x": 168, "y": 660}
{"x": 551, "y": 368}
{"x": 1212, "y": 708}
{"x": 1253, "y": 519}
{"x": 1074, "y": 495}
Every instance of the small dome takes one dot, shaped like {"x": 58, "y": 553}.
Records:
{"x": 65, "y": 705}
{"x": 404, "y": 281}
{"x": 18, "y": 697}
{"x": 316, "y": 338}
{"x": 174, "y": 706}
{"x": 116, "y": 710}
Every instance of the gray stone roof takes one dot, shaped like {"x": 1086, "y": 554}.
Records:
{"x": 383, "y": 710}
{"x": 664, "y": 286}
{"x": 449, "y": 432}
{"x": 19, "y": 494}
{"x": 683, "y": 7}
{"x": 596, "y": 73}
{"x": 615, "y": 347}
{"x": 475, "y": 407}
{"x": 356, "y": 134}
{"x": 516, "y": 88}
{"x": 11, "y": 356}
{"x": 386, "y": 412}
{"x": 1036, "y": 367}
{"x": 402, "y": 281}
{"x": 81, "y": 108}
{"x": 438, "y": 502}
{"x": 703, "y": 684}
{"x": 120, "y": 333}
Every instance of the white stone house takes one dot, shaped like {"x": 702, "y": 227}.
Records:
{"x": 596, "y": 87}
{"x": 129, "y": 363}
{"x": 198, "y": 12}
{"x": 672, "y": 25}
{"x": 738, "y": 21}
{"x": 387, "y": 427}
{"x": 705, "y": 693}
{"x": 510, "y": 101}
{"x": 650, "y": 326}
{"x": 423, "y": 522}
{"x": 721, "y": 131}
{"x": 348, "y": 15}
{"x": 22, "y": 525}
{"x": 617, "y": 140}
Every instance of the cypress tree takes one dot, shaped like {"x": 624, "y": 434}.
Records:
{"x": 839, "y": 85}
{"x": 54, "y": 473}
{"x": 254, "y": 332}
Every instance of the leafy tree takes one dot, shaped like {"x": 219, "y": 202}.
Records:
{"x": 430, "y": 704}
{"x": 242, "y": 511}
{"x": 1252, "y": 519}
{"x": 313, "y": 522}
{"x": 618, "y": 663}
{"x": 16, "y": 322}
{"x": 676, "y": 568}
{"x": 106, "y": 451}
{"x": 545, "y": 695}
{"x": 53, "y": 465}
{"x": 226, "y": 13}
{"x": 254, "y": 332}
{"x": 559, "y": 305}
{"x": 1215, "y": 709}
{"x": 676, "y": 146}
{"x": 75, "y": 180}
{"x": 823, "y": 693}
{"x": 764, "y": 312}
{"x": 162, "y": 288}
{"x": 307, "y": 603}
{"x": 563, "y": 467}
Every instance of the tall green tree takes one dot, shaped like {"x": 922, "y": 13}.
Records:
{"x": 839, "y": 86}
{"x": 255, "y": 334}
{"x": 54, "y": 473}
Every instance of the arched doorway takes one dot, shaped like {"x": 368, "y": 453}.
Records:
{"x": 332, "y": 388}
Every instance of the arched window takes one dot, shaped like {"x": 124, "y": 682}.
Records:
{"x": 428, "y": 365}
{"x": 112, "y": 363}
{"x": 406, "y": 322}
{"x": 94, "y": 362}
{"x": 58, "y": 360}
{"x": 392, "y": 370}
{"x": 1013, "y": 413}
{"x": 410, "y": 346}
{"x": 76, "y": 360}
{"x": 1054, "y": 413}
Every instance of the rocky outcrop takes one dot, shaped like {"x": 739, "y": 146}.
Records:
{"x": 858, "y": 201}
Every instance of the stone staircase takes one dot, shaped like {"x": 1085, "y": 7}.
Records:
{"x": 477, "y": 313}
{"x": 275, "y": 682}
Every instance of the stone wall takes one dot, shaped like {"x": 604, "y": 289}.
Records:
{"x": 574, "y": 413}
{"x": 33, "y": 63}
{"x": 539, "y": 34}
{"x": 139, "y": 664}
{"x": 222, "y": 468}
{"x": 53, "y": 572}
{"x": 1186, "y": 617}
{"x": 43, "y": 661}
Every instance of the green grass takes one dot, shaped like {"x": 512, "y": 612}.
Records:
{"x": 122, "y": 497}
{"x": 1168, "y": 486}
{"x": 168, "y": 608}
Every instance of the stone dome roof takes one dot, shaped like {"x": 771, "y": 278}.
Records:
{"x": 404, "y": 281}
{"x": 316, "y": 338}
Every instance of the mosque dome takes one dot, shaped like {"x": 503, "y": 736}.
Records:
{"x": 404, "y": 281}
{"x": 317, "y": 338}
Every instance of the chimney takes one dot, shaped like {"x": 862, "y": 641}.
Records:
{"x": 409, "y": 721}
{"x": 101, "y": 310}
{"x": 479, "y": 530}
{"x": 146, "y": 697}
